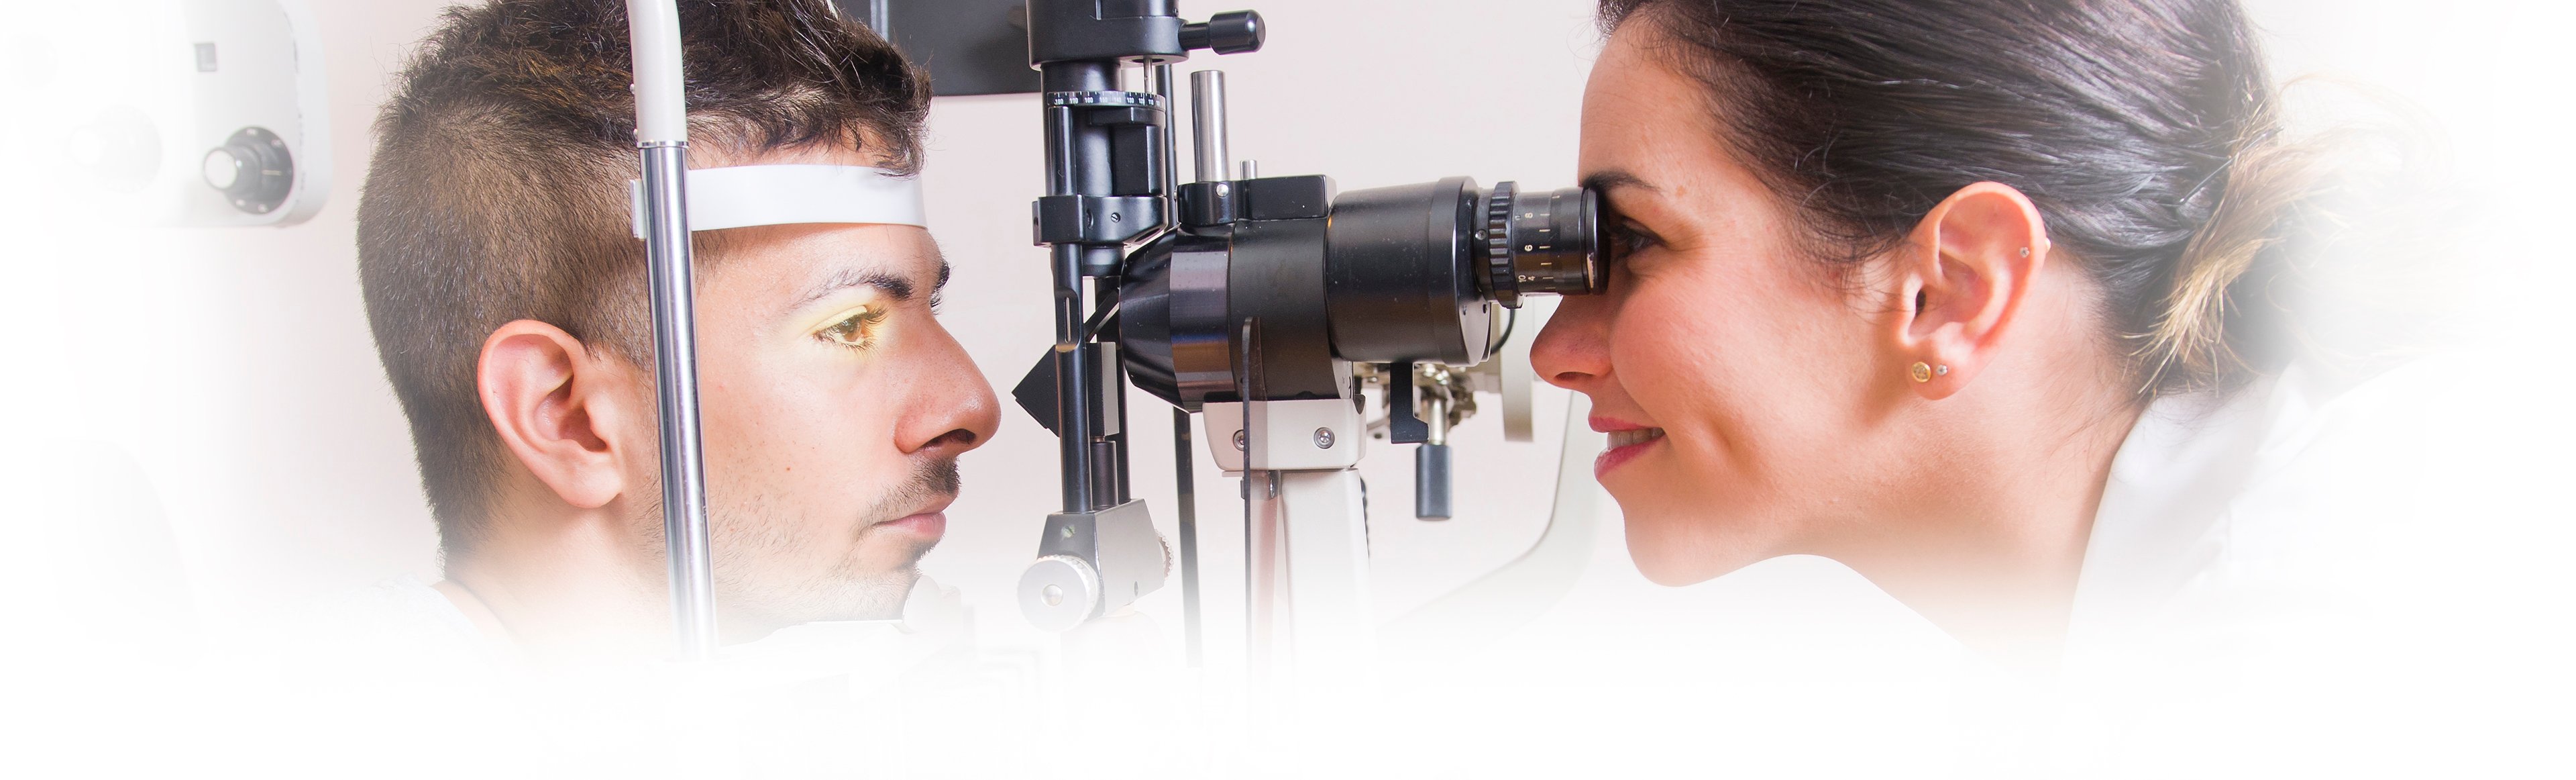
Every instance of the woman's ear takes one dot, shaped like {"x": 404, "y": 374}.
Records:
{"x": 1964, "y": 275}
{"x": 554, "y": 406}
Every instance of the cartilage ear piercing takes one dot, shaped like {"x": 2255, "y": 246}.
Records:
{"x": 2025, "y": 251}
{"x": 1941, "y": 370}
{"x": 1921, "y": 371}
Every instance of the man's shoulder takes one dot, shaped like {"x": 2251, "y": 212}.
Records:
{"x": 396, "y": 628}
{"x": 403, "y": 608}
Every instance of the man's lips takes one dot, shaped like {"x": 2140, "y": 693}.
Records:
{"x": 929, "y": 523}
{"x": 1627, "y": 441}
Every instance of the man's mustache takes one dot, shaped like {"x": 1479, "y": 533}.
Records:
{"x": 932, "y": 480}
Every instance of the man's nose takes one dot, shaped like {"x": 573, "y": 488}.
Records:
{"x": 952, "y": 408}
{"x": 1573, "y": 351}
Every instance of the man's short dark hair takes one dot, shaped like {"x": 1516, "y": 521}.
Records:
{"x": 498, "y": 187}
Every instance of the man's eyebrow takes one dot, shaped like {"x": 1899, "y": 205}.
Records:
{"x": 894, "y": 285}
{"x": 1606, "y": 182}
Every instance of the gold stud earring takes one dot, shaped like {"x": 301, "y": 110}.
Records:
{"x": 1922, "y": 371}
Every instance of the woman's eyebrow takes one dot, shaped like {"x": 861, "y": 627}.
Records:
{"x": 1613, "y": 180}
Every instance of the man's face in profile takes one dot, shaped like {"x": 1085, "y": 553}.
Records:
{"x": 834, "y": 407}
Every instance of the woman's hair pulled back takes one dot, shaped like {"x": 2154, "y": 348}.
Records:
{"x": 2145, "y": 131}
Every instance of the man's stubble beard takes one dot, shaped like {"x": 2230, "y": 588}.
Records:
{"x": 749, "y": 540}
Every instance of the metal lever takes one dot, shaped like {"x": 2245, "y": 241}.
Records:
{"x": 1431, "y": 482}
{"x": 1402, "y": 425}
{"x": 1182, "y": 452}
{"x": 1405, "y": 426}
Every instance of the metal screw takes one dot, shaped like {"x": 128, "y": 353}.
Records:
{"x": 1066, "y": 532}
{"x": 1240, "y": 441}
{"x": 1323, "y": 438}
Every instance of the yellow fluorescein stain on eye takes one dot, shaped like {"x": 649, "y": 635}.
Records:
{"x": 856, "y": 330}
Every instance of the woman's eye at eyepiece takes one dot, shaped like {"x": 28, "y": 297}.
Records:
{"x": 1626, "y": 239}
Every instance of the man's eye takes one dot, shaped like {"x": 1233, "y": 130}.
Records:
{"x": 856, "y": 330}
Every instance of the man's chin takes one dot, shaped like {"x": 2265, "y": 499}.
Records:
{"x": 877, "y": 594}
{"x": 878, "y": 597}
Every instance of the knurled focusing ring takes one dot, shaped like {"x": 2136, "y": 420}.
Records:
{"x": 1498, "y": 245}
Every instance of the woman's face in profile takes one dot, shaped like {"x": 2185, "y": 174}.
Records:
{"x": 1766, "y": 374}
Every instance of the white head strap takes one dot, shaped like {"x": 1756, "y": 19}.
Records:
{"x": 748, "y": 195}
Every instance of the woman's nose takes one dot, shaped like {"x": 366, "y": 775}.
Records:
{"x": 1573, "y": 351}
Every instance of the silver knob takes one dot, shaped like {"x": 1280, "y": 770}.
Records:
{"x": 1058, "y": 592}
{"x": 222, "y": 169}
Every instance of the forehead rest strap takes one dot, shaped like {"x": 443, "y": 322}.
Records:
{"x": 749, "y": 195}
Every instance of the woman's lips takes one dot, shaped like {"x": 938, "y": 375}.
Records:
{"x": 1627, "y": 441}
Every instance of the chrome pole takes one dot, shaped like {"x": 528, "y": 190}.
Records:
{"x": 661, "y": 136}
{"x": 1207, "y": 124}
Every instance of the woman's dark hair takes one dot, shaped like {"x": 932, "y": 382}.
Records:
{"x": 2145, "y": 130}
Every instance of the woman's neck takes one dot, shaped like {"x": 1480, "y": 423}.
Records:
{"x": 1988, "y": 543}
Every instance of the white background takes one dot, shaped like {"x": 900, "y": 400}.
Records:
{"x": 233, "y": 368}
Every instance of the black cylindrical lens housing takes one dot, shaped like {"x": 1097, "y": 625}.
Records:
{"x": 1400, "y": 277}
{"x": 1414, "y": 272}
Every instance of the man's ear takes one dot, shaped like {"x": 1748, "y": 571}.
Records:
{"x": 554, "y": 405}
{"x": 1964, "y": 275}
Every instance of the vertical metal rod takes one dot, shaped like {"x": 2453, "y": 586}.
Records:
{"x": 1078, "y": 163}
{"x": 661, "y": 133}
{"x": 1112, "y": 462}
{"x": 1189, "y": 520}
{"x": 675, "y": 375}
{"x": 1171, "y": 134}
{"x": 1262, "y": 587}
{"x": 1073, "y": 401}
{"x": 1207, "y": 124}
{"x": 881, "y": 19}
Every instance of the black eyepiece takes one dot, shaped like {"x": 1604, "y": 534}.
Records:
{"x": 1540, "y": 243}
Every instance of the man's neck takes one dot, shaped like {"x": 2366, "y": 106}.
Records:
{"x": 563, "y": 593}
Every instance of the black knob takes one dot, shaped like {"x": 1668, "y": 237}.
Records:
{"x": 1232, "y": 32}
{"x": 252, "y": 169}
